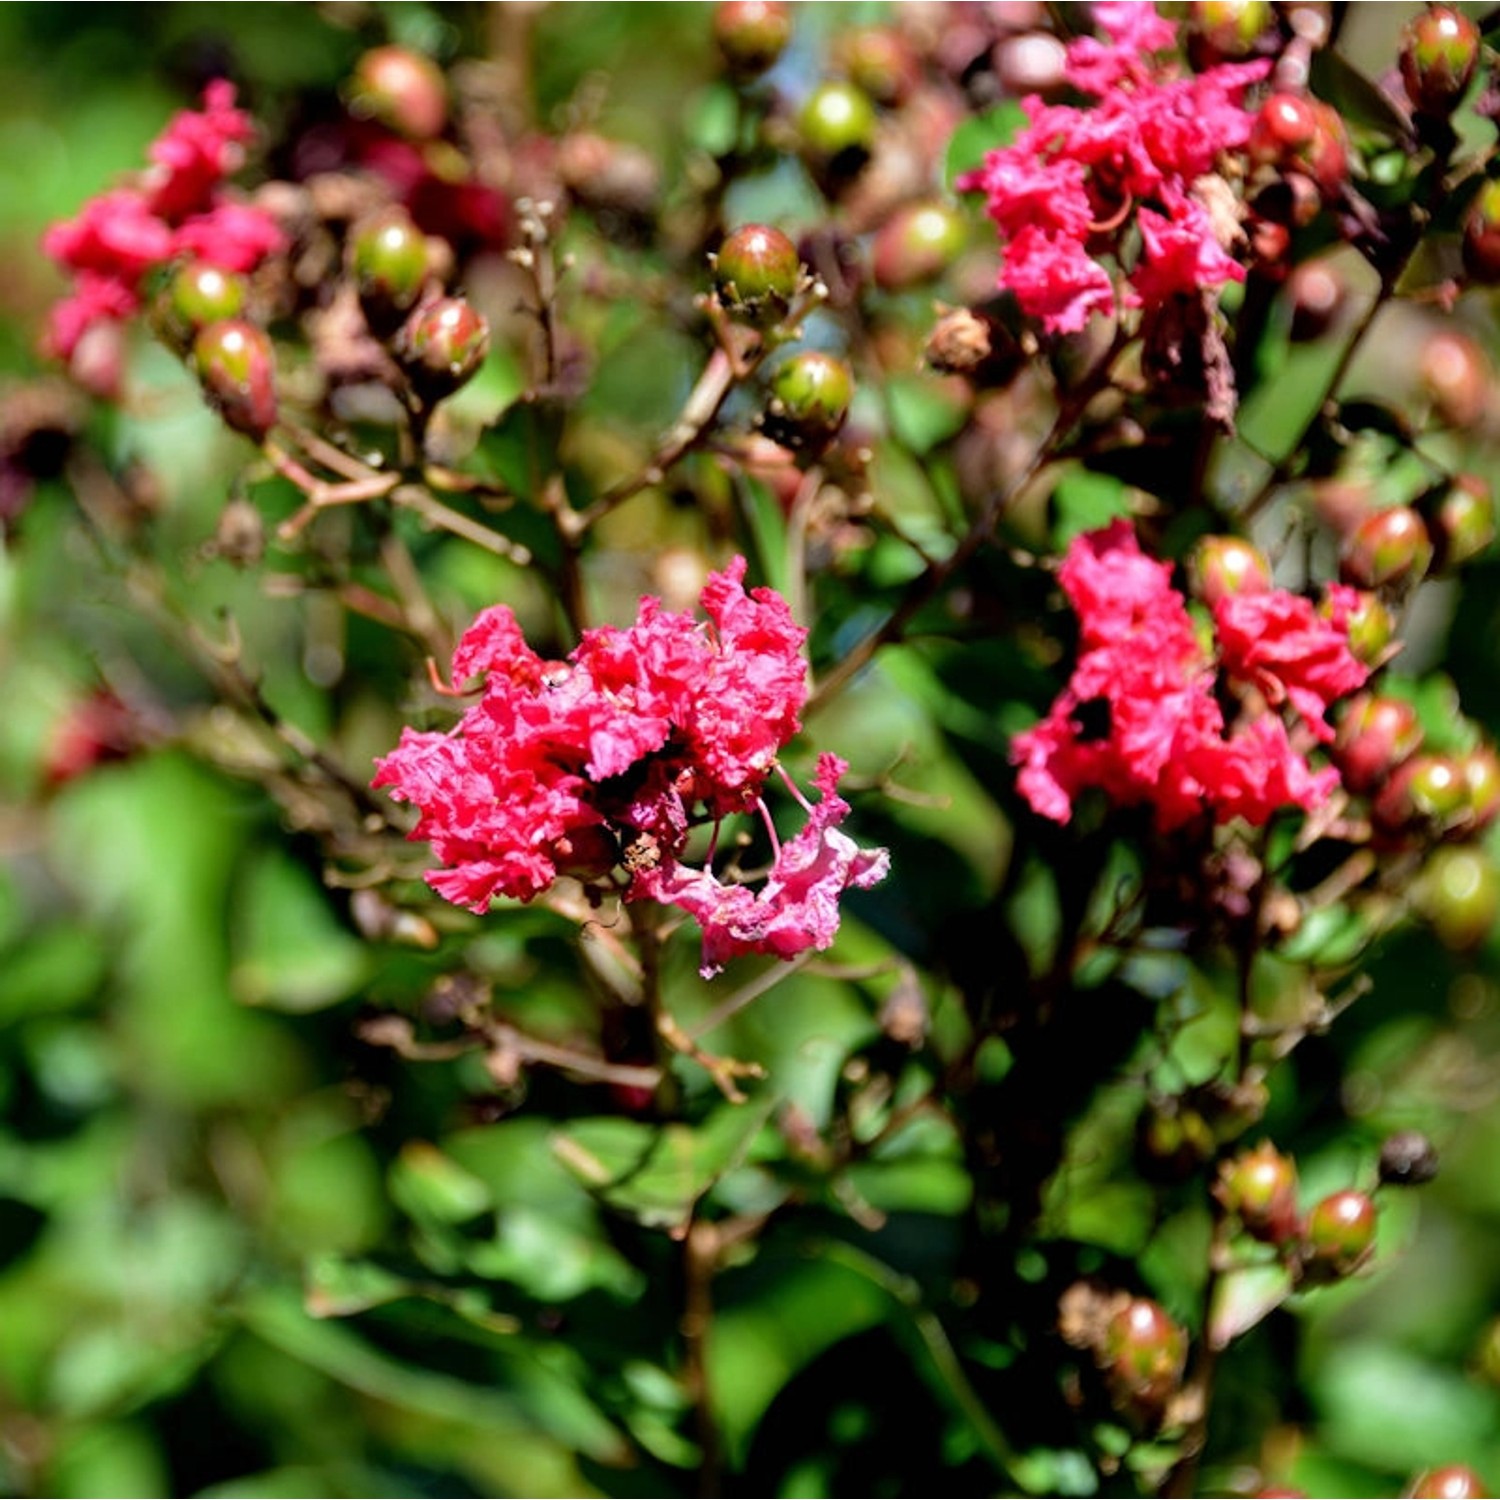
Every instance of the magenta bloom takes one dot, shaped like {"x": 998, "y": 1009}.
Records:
{"x": 1070, "y": 187}
{"x": 1139, "y": 719}
{"x": 613, "y": 757}
{"x": 175, "y": 207}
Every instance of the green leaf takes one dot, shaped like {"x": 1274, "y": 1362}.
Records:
{"x": 987, "y": 132}
{"x": 1243, "y": 1297}
{"x": 1358, "y": 100}
{"x": 1084, "y": 501}
{"x": 292, "y": 953}
{"x": 656, "y": 1173}
{"x": 433, "y": 1188}
{"x": 519, "y": 450}
{"x": 923, "y": 411}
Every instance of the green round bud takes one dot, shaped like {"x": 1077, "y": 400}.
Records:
{"x": 1458, "y": 893}
{"x": 837, "y": 130}
{"x": 199, "y": 294}
{"x": 810, "y": 397}
{"x": 1465, "y": 521}
{"x": 757, "y": 273}
{"x": 387, "y": 258}
{"x": 1225, "y": 565}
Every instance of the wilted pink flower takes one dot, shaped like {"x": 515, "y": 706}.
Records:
{"x": 1139, "y": 719}
{"x": 614, "y": 756}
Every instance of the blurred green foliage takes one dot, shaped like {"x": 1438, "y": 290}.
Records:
{"x": 243, "y": 1251}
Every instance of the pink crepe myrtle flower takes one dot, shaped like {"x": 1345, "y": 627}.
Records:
{"x": 602, "y": 766}
{"x": 177, "y": 206}
{"x": 1070, "y": 187}
{"x": 1139, "y": 718}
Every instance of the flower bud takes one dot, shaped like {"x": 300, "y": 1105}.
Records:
{"x": 443, "y": 345}
{"x": 916, "y": 244}
{"x": 1465, "y": 522}
{"x": 1375, "y": 736}
{"x": 1317, "y": 292}
{"x": 1458, "y": 893}
{"x": 757, "y": 273}
{"x": 1439, "y": 52}
{"x": 1451, "y": 1482}
{"x": 1260, "y": 1186}
{"x": 1455, "y": 375}
{"x": 1144, "y": 1353}
{"x": 881, "y": 62}
{"x": 1292, "y": 131}
{"x": 1407, "y": 1159}
{"x": 1225, "y": 565}
{"x": 837, "y": 131}
{"x": 388, "y": 264}
{"x": 752, "y": 34}
{"x": 1339, "y": 1235}
{"x": 401, "y": 89}
{"x": 1481, "y": 245}
{"x": 1225, "y": 30}
{"x": 235, "y": 367}
{"x": 810, "y": 397}
{"x": 1481, "y": 771}
{"x": 199, "y": 294}
{"x": 1388, "y": 546}
{"x": 1368, "y": 624}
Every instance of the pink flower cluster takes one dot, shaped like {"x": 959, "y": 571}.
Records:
{"x": 176, "y": 207}
{"x": 1071, "y": 185}
{"x": 1139, "y": 717}
{"x": 611, "y": 758}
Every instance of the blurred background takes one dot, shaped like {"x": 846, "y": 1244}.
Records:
{"x": 202, "y": 1161}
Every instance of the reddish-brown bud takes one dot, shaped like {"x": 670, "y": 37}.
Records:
{"x": 1481, "y": 247}
{"x": 236, "y": 369}
{"x": 881, "y": 62}
{"x": 401, "y": 89}
{"x": 1225, "y": 565}
{"x": 443, "y": 345}
{"x": 757, "y": 273}
{"x": 1439, "y": 52}
{"x": 1339, "y": 1235}
{"x": 752, "y": 34}
{"x": 916, "y": 244}
{"x": 1375, "y": 736}
{"x": 1388, "y": 546}
{"x": 1407, "y": 1159}
{"x": 1144, "y": 1353}
{"x": 1453, "y": 372}
{"x": 1481, "y": 770}
{"x": 1451, "y": 1482}
{"x": 1260, "y": 1186}
{"x": 1317, "y": 292}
